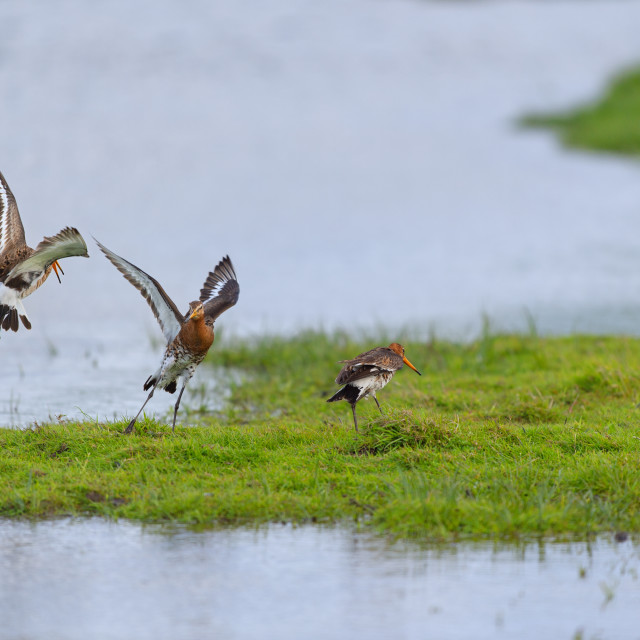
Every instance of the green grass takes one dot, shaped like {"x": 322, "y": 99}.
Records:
{"x": 508, "y": 436}
{"x": 611, "y": 124}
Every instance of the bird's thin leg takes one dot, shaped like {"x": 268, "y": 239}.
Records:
{"x": 129, "y": 429}
{"x": 376, "y": 399}
{"x": 175, "y": 411}
{"x": 355, "y": 420}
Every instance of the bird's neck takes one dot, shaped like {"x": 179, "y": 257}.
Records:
{"x": 197, "y": 335}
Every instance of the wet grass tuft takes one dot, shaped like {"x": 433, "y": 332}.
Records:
{"x": 407, "y": 429}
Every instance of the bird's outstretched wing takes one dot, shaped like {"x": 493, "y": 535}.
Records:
{"x": 368, "y": 363}
{"x": 165, "y": 311}
{"x": 220, "y": 290}
{"x": 67, "y": 242}
{"x": 11, "y": 229}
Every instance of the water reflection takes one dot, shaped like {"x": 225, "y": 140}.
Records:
{"x": 97, "y": 579}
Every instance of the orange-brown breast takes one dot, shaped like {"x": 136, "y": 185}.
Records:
{"x": 196, "y": 336}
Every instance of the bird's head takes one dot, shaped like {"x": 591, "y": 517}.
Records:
{"x": 196, "y": 311}
{"x": 399, "y": 349}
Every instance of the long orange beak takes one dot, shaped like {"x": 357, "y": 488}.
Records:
{"x": 404, "y": 359}
{"x": 56, "y": 266}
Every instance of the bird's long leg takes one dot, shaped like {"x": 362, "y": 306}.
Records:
{"x": 175, "y": 411}
{"x": 355, "y": 420}
{"x": 376, "y": 399}
{"x": 129, "y": 429}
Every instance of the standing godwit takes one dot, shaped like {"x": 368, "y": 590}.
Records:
{"x": 367, "y": 373}
{"x": 188, "y": 337}
{"x": 23, "y": 269}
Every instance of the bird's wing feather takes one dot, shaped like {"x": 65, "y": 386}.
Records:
{"x": 67, "y": 242}
{"x": 369, "y": 363}
{"x": 220, "y": 290}
{"x": 164, "y": 309}
{"x": 11, "y": 229}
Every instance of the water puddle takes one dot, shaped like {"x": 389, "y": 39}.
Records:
{"x": 102, "y": 382}
{"x": 100, "y": 580}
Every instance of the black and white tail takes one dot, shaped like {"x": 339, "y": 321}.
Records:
{"x": 11, "y": 308}
{"x": 348, "y": 393}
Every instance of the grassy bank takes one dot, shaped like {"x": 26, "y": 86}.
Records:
{"x": 611, "y": 124}
{"x": 507, "y": 436}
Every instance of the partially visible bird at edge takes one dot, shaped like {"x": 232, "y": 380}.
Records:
{"x": 23, "y": 269}
{"x": 188, "y": 337}
{"x": 367, "y": 373}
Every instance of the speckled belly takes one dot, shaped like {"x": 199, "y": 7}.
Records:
{"x": 177, "y": 364}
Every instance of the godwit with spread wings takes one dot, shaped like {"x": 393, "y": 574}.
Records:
{"x": 23, "y": 269}
{"x": 188, "y": 337}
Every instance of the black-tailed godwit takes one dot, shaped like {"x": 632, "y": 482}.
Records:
{"x": 367, "y": 373}
{"x": 23, "y": 269}
{"x": 188, "y": 337}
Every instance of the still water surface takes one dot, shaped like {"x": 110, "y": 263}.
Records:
{"x": 95, "y": 579}
{"x": 357, "y": 159}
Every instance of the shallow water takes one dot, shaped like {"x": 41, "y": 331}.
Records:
{"x": 357, "y": 159}
{"x": 95, "y": 579}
